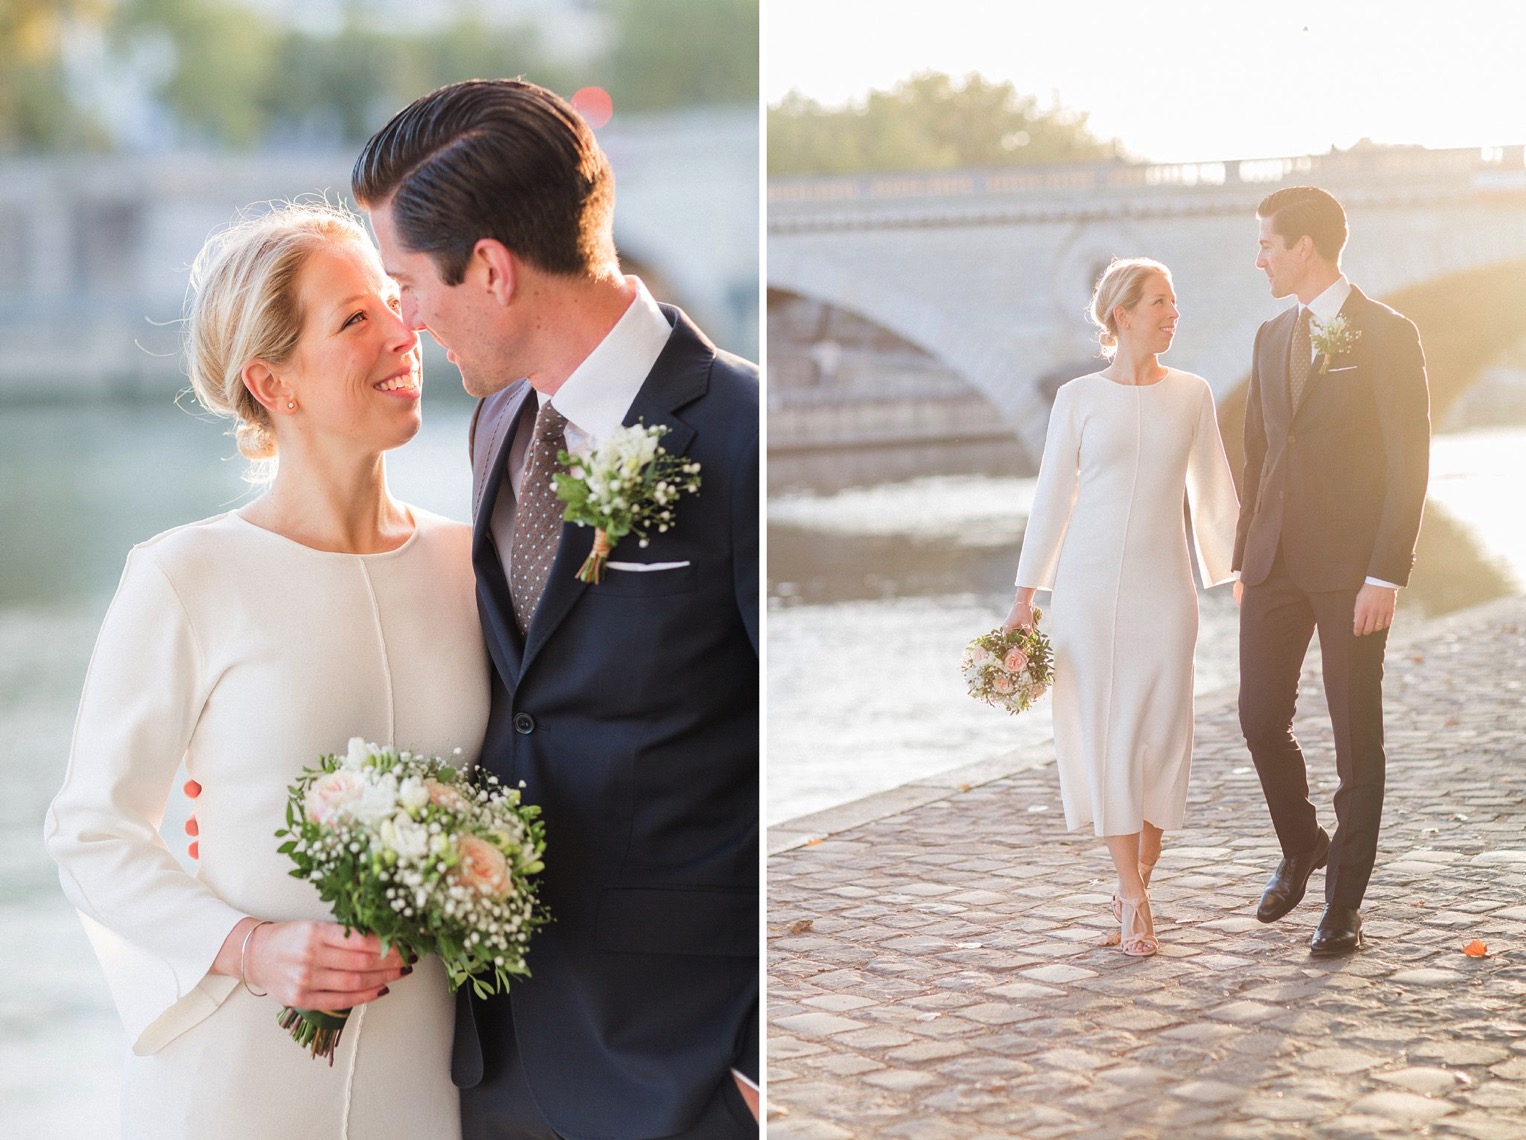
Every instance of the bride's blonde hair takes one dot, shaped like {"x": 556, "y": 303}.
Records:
{"x": 242, "y": 306}
{"x": 1121, "y": 285}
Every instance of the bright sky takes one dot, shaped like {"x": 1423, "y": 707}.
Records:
{"x": 1187, "y": 80}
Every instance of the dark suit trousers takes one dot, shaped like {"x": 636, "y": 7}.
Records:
{"x": 1277, "y": 620}
{"x": 502, "y": 1106}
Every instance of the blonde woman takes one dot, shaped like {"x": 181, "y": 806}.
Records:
{"x": 248, "y": 644}
{"x": 1106, "y": 535}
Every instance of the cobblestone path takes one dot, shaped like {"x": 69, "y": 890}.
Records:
{"x": 940, "y": 972}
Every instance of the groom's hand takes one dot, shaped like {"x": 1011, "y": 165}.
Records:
{"x": 1375, "y": 606}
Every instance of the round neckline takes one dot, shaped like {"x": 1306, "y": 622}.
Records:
{"x": 393, "y": 553}
{"x": 1120, "y": 384}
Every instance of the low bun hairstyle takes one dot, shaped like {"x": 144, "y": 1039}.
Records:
{"x": 242, "y": 306}
{"x": 1121, "y": 285}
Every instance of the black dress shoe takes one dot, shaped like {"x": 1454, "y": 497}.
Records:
{"x": 1339, "y": 932}
{"x": 1284, "y": 890}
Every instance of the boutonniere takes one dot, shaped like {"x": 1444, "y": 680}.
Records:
{"x": 1333, "y": 338}
{"x": 628, "y": 484}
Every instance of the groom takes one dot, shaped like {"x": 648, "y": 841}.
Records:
{"x": 1337, "y": 445}
{"x": 628, "y": 710}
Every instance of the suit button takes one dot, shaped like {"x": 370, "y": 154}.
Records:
{"x": 524, "y": 723}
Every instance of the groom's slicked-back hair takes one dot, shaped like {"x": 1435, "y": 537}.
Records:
{"x": 501, "y": 159}
{"x": 1298, "y": 210}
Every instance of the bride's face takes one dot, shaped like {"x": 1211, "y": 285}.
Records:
{"x": 1150, "y": 325}
{"x": 355, "y": 372}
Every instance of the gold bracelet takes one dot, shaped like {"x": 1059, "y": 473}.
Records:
{"x": 243, "y": 950}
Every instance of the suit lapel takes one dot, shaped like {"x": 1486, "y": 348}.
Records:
{"x": 681, "y": 375}
{"x": 1349, "y": 310}
{"x": 1280, "y": 345}
{"x": 503, "y": 641}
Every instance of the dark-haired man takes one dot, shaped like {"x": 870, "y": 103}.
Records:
{"x": 629, "y": 708}
{"x": 1337, "y": 444}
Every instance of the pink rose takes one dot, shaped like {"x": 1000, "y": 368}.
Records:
{"x": 330, "y": 794}
{"x": 443, "y": 795}
{"x": 1015, "y": 661}
{"x": 482, "y": 867}
{"x": 979, "y": 655}
{"x": 1002, "y": 684}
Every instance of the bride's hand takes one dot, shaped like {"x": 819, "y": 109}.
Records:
{"x": 316, "y": 965}
{"x": 1019, "y": 616}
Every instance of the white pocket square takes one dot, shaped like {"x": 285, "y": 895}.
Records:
{"x": 1342, "y": 368}
{"x": 644, "y": 567}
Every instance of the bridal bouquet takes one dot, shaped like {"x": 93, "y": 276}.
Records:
{"x": 1009, "y": 668}
{"x": 628, "y": 484}
{"x": 408, "y": 848}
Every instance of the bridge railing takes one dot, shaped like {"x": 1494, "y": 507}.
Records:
{"x": 1482, "y": 167}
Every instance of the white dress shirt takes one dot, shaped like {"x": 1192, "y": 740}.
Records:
{"x": 600, "y": 391}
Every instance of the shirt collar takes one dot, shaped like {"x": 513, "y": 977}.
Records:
{"x": 1327, "y": 306}
{"x": 600, "y": 391}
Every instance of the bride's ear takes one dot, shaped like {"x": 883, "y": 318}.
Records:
{"x": 269, "y": 389}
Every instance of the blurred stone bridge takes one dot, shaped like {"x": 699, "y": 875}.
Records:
{"x": 94, "y": 250}
{"x": 982, "y": 277}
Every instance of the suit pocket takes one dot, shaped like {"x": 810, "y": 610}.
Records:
{"x": 655, "y": 583}
{"x": 716, "y": 921}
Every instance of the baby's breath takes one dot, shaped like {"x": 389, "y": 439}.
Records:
{"x": 410, "y": 849}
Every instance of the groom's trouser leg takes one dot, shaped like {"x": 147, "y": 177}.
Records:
{"x": 1276, "y": 623}
{"x": 1353, "y": 669}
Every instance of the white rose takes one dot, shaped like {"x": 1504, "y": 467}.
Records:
{"x": 412, "y": 794}
{"x": 359, "y": 752}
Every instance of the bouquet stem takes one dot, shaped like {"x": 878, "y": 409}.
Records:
{"x": 592, "y": 570}
{"x": 316, "y": 1030}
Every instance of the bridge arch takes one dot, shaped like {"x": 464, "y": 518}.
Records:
{"x": 993, "y": 278}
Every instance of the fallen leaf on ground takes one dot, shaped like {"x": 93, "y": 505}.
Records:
{"x": 800, "y": 926}
{"x": 812, "y": 842}
{"x": 1111, "y": 938}
{"x": 1476, "y": 949}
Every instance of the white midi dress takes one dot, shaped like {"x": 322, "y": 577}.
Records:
{"x": 248, "y": 656}
{"x": 1107, "y": 534}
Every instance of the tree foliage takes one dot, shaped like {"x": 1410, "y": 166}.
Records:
{"x": 928, "y": 122}
{"x": 35, "y": 107}
{"x": 220, "y": 73}
{"x": 668, "y": 53}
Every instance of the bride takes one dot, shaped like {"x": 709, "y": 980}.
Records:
{"x": 246, "y": 645}
{"x": 1125, "y": 446}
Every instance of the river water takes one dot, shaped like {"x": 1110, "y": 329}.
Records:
{"x": 79, "y": 486}
{"x": 883, "y": 565}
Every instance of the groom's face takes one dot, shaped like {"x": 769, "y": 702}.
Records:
{"x": 1284, "y": 267}
{"x": 457, "y": 316}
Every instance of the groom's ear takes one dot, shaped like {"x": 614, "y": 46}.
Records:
{"x": 494, "y": 267}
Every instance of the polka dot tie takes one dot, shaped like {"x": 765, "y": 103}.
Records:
{"x": 1300, "y": 359}
{"x": 537, "y": 516}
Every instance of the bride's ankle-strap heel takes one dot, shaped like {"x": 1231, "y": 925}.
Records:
{"x": 1145, "y": 871}
{"x": 1137, "y": 937}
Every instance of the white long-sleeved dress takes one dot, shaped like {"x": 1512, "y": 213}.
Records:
{"x": 249, "y": 655}
{"x": 1107, "y": 535}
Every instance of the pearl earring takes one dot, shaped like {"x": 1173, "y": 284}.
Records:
{"x": 291, "y": 404}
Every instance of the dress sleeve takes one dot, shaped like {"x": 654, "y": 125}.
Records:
{"x": 1211, "y": 497}
{"x": 156, "y": 929}
{"x": 1055, "y": 497}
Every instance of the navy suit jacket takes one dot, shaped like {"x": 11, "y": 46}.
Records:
{"x": 630, "y": 712}
{"x": 1338, "y": 485}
